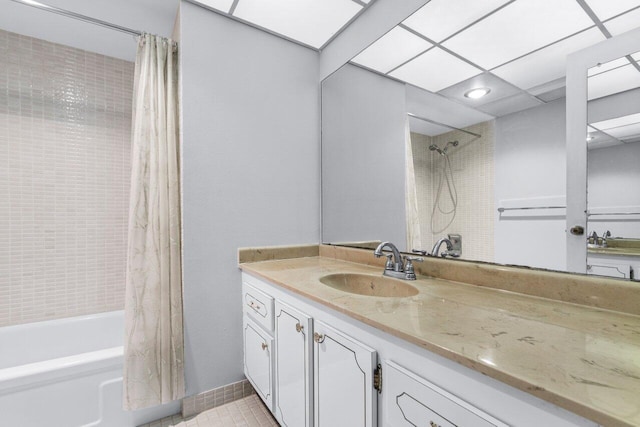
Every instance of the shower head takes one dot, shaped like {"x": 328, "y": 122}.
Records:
{"x": 433, "y": 147}
{"x": 454, "y": 143}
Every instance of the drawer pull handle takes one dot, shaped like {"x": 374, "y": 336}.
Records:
{"x": 264, "y": 346}
{"x": 299, "y": 327}
{"x": 318, "y": 337}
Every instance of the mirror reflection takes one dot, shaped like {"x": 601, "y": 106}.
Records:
{"x": 445, "y": 128}
{"x": 613, "y": 133}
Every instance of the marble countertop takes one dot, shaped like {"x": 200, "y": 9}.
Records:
{"x": 584, "y": 359}
{"x": 634, "y": 252}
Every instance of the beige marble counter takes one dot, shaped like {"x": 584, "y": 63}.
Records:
{"x": 584, "y": 359}
{"x": 634, "y": 252}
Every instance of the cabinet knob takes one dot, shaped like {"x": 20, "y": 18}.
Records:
{"x": 264, "y": 346}
{"x": 299, "y": 327}
{"x": 432, "y": 424}
{"x": 318, "y": 337}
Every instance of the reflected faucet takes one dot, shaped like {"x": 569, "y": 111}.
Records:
{"x": 436, "y": 248}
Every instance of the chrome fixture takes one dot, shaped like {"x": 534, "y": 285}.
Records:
{"x": 454, "y": 246}
{"x": 443, "y": 151}
{"x": 395, "y": 265}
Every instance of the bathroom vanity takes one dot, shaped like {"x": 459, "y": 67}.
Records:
{"x": 432, "y": 352}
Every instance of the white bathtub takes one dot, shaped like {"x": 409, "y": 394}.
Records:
{"x": 67, "y": 373}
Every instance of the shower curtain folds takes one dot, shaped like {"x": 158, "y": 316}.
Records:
{"x": 154, "y": 349}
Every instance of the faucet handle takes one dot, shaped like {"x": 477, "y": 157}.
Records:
{"x": 388, "y": 265}
{"x": 410, "y": 273}
{"x": 420, "y": 251}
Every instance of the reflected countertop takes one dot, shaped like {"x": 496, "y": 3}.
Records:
{"x": 584, "y": 359}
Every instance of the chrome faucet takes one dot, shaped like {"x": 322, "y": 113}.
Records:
{"x": 395, "y": 265}
{"x": 436, "y": 248}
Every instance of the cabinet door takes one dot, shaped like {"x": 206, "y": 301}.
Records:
{"x": 343, "y": 380}
{"x": 257, "y": 361}
{"x": 293, "y": 365}
{"x": 412, "y": 401}
{"x": 612, "y": 270}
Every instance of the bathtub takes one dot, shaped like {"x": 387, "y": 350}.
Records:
{"x": 67, "y": 373}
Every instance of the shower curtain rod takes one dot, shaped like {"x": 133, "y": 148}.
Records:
{"x": 78, "y": 16}
{"x": 477, "y": 135}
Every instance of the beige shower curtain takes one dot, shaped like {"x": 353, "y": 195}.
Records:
{"x": 414, "y": 238}
{"x": 153, "y": 359}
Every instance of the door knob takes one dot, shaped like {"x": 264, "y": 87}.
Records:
{"x": 264, "y": 346}
{"x": 318, "y": 337}
{"x": 577, "y": 230}
{"x": 299, "y": 327}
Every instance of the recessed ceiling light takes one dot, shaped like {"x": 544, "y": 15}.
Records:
{"x": 476, "y": 93}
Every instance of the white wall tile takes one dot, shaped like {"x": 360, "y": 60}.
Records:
{"x": 65, "y": 125}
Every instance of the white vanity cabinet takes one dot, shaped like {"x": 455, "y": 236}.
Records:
{"x": 293, "y": 385}
{"x": 343, "y": 374}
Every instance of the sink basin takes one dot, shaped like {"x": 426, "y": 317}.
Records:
{"x": 364, "y": 284}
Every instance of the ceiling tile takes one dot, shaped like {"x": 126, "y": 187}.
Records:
{"x": 222, "y": 5}
{"x": 630, "y": 119}
{"x": 312, "y": 22}
{"x": 499, "y": 89}
{"x": 391, "y": 50}
{"x": 617, "y": 80}
{"x": 624, "y": 23}
{"x": 605, "y": 9}
{"x": 440, "y": 109}
{"x": 625, "y": 133}
{"x": 519, "y": 28}
{"x": 552, "y": 95}
{"x": 546, "y": 64}
{"x": 510, "y": 105}
{"x": 607, "y": 66}
{"x": 426, "y": 128}
{"x": 434, "y": 70}
{"x": 439, "y": 19}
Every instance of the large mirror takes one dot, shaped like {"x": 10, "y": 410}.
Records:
{"x": 613, "y": 168}
{"x": 412, "y": 155}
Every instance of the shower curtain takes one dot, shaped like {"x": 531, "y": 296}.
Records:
{"x": 414, "y": 239}
{"x": 153, "y": 359}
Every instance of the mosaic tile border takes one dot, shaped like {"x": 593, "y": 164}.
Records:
{"x": 197, "y": 403}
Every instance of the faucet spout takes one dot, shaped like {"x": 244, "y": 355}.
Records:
{"x": 436, "y": 247}
{"x": 397, "y": 258}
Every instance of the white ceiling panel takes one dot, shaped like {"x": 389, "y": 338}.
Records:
{"x": 607, "y": 66}
{"x": 625, "y": 133}
{"x": 624, "y": 23}
{"x": 441, "y": 109}
{"x": 391, "y": 50}
{"x": 617, "y": 80}
{"x": 546, "y": 64}
{"x": 519, "y": 28}
{"x": 499, "y": 89}
{"x": 605, "y": 9}
{"x": 222, "y": 5}
{"x": 510, "y": 105}
{"x": 439, "y": 19}
{"x": 312, "y": 22}
{"x": 426, "y": 128}
{"x": 630, "y": 119}
{"x": 435, "y": 70}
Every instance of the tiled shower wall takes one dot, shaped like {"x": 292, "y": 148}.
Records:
{"x": 65, "y": 130}
{"x": 472, "y": 162}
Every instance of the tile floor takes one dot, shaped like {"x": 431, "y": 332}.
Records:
{"x": 246, "y": 412}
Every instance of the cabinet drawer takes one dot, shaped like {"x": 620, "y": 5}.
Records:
{"x": 413, "y": 401}
{"x": 258, "y": 305}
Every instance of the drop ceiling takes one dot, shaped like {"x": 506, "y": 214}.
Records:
{"x": 517, "y": 48}
{"x": 313, "y": 23}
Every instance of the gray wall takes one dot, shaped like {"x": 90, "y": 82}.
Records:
{"x": 251, "y": 174}
{"x": 363, "y": 158}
